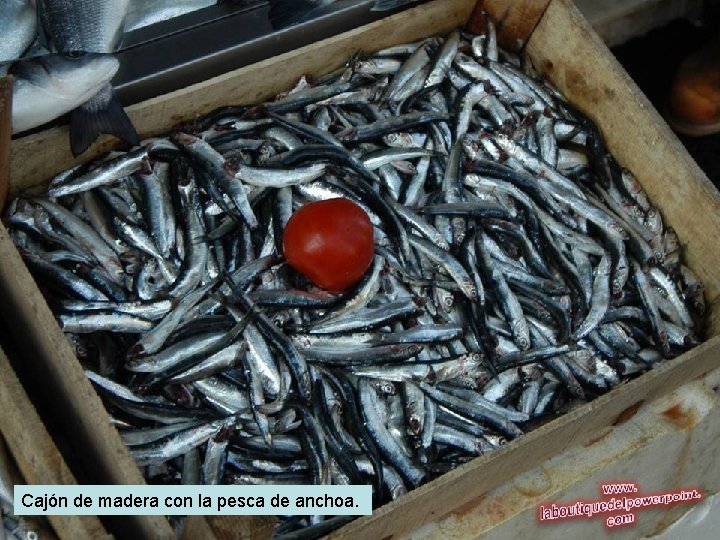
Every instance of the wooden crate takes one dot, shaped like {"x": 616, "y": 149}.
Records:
{"x": 37, "y": 458}
{"x": 560, "y": 43}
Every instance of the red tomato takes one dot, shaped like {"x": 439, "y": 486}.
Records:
{"x": 331, "y": 242}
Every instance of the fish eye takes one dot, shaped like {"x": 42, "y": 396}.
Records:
{"x": 74, "y": 54}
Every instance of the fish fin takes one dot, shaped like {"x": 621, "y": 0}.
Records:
{"x": 284, "y": 13}
{"x": 101, "y": 114}
{"x": 386, "y": 5}
{"x": 43, "y": 36}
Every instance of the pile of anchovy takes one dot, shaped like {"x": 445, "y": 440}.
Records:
{"x": 519, "y": 271}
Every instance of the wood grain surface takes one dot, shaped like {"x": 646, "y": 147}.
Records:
{"x": 36, "y": 455}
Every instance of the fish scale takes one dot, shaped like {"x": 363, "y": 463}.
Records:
{"x": 83, "y": 25}
{"x": 89, "y": 26}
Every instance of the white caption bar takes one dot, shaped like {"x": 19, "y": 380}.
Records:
{"x": 193, "y": 500}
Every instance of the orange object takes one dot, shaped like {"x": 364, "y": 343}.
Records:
{"x": 694, "y": 104}
{"x": 331, "y": 242}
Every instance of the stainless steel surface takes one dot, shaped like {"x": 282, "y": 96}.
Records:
{"x": 206, "y": 43}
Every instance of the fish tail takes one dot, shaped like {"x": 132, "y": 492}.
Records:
{"x": 284, "y": 13}
{"x": 102, "y": 113}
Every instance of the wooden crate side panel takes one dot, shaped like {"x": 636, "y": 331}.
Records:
{"x": 86, "y": 422}
{"x": 36, "y": 455}
{"x": 567, "y": 51}
{"x": 241, "y": 527}
{"x": 466, "y": 485}
{"x": 35, "y": 158}
{"x": 515, "y": 21}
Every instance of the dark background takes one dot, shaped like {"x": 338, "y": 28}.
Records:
{"x": 651, "y": 60}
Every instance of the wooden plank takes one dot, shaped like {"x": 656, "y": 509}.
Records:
{"x": 229, "y": 527}
{"x": 36, "y": 455}
{"x": 515, "y": 21}
{"x": 11, "y": 477}
{"x": 50, "y": 357}
{"x": 247, "y": 528}
{"x": 196, "y": 528}
{"x": 668, "y": 443}
{"x": 35, "y": 158}
{"x": 6, "y": 86}
{"x": 565, "y": 49}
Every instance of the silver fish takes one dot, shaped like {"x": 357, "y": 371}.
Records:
{"x": 18, "y": 26}
{"x": 47, "y": 87}
{"x": 141, "y": 13}
{"x": 93, "y": 26}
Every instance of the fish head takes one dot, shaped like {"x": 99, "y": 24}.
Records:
{"x": 81, "y": 74}
{"x": 76, "y": 76}
{"x": 49, "y": 86}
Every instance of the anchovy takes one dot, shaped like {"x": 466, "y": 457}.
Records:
{"x": 600, "y": 299}
{"x": 109, "y": 172}
{"x": 383, "y": 438}
{"x": 176, "y": 446}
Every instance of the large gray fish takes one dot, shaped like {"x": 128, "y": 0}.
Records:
{"x": 18, "y": 24}
{"x": 93, "y": 26}
{"x": 47, "y": 87}
{"x": 285, "y": 13}
{"x": 143, "y": 13}
{"x": 83, "y": 25}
